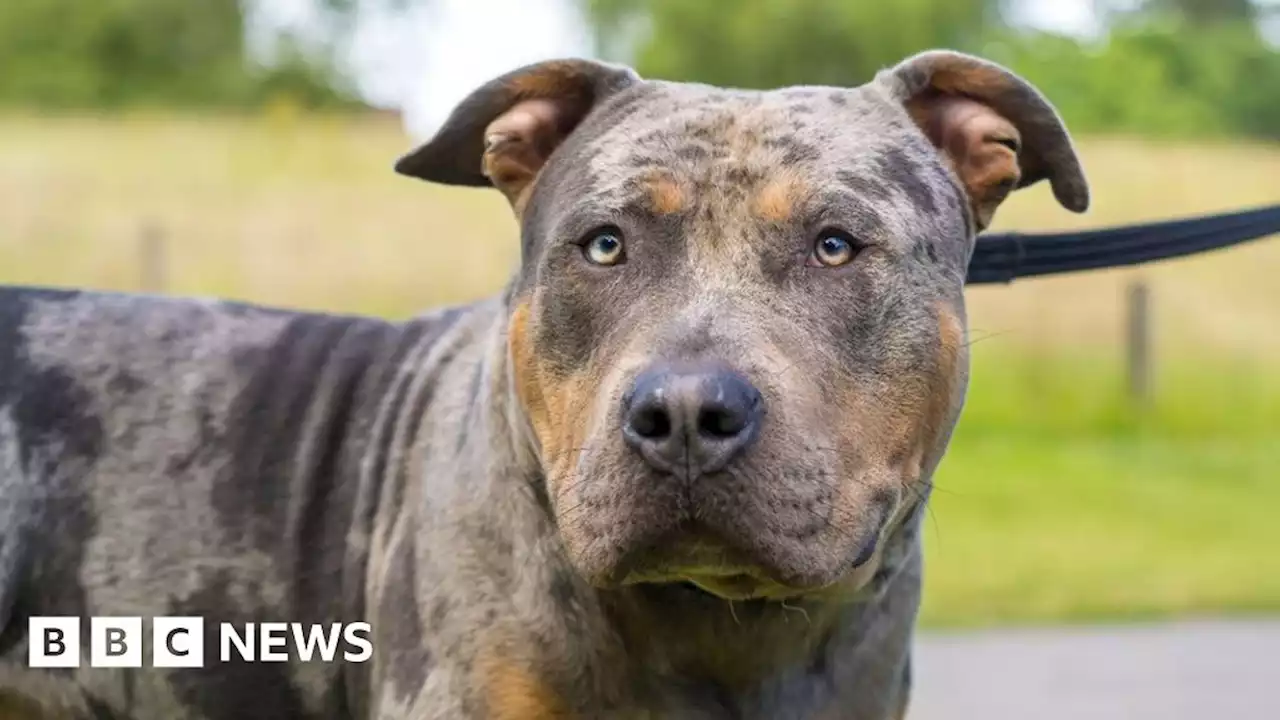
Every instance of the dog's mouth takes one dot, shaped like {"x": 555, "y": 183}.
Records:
{"x": 724, "y": 584}
{"x": 696, "y": 557}
{"x": 742, "y": 586}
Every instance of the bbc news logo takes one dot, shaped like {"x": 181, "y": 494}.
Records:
{"x": 178, "y": 642}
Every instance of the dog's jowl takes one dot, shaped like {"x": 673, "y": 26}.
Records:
{"x": 675, "y": 470}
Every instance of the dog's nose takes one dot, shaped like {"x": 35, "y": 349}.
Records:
{"x": 691, "y": 420}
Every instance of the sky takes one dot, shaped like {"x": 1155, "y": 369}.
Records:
{"x": 426, "y": 62}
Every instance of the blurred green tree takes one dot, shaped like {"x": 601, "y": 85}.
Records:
{"x": 767, "y": 43}
{"x": 1203, "y": 12}
{"x": 1164, "y": 67}
{"x": 115, "y": 53}
{"x": 1157, "y": 74}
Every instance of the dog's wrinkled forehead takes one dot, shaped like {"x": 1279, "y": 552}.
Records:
{"x": 688, "y": 148}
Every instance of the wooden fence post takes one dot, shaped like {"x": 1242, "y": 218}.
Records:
{"x": 1138, "y": 342}
{"x": 151, "y": 260}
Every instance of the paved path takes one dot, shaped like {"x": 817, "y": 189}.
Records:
{"x": 1181, "y": 671}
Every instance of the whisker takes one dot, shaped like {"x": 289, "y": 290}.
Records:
{"x": 921, "y": 496}
{"x": 989, "y": 336}
{"x": 800, "y": 610}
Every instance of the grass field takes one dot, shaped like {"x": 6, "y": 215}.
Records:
{"x": 1058, "y": 501}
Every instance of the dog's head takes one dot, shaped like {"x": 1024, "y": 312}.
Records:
{"x": 738, "y": 333}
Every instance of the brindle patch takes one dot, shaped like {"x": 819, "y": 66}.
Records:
{"x": 694, "y": 153}
{"x": 778, "y": 200}
{"x": 236, "y": 689}
{"x": 792, "y": 150}
{"x": 666, "y": 196}
{"x": 52, "y": 411}
{"x": 512, "y": 691}
{"x": 946, "y": 387}
{"x": 410, "y": 660}
{"x": 125, "y": 384}
{"x": 556, "y": 403}
{"x": 286, "y": 433}
{"x": 900, "y": 168}
{"x": 865, "y": 187}
{"x": 565, "y": 351}
{"x": 59, "y": 434}
{"x": 924, "y": 251}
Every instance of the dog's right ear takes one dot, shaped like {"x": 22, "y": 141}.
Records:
{"x": 503, "y": 133}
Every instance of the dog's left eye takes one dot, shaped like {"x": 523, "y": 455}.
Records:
{"x": 604, "y": 247}
{"x": 834, "y": 248}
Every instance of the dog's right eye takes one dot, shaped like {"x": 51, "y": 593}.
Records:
{"x": 604, "y": 247}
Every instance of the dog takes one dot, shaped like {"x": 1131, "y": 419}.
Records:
{"x": 676, "y": 469}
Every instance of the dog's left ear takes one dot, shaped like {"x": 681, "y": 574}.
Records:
{"x": 503, "y": 133}
{"x": 996, "y": 130}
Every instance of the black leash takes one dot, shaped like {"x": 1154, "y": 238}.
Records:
{"x": 1003, "y": 257}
